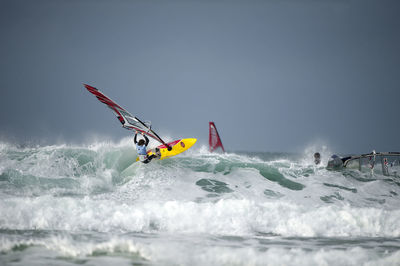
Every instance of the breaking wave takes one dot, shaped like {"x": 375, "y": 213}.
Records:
{"x": 100, "y": 190}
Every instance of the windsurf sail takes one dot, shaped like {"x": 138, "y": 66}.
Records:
{"x": 390, "y": 162}
{"x": 127, "y": 120}
{"x": 214, "y": 139}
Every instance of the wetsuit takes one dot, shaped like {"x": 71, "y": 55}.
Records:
{"x": 142, "y": 152}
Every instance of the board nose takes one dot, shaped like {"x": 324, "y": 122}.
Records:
{"x": 187, "y": 143}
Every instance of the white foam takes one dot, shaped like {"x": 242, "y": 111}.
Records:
{"x": 224, "y": 217}
{"x": 167, "y": 250}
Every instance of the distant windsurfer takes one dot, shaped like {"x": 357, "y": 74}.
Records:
{"x": 317, "y": 158}
{"x": 141, "y": 147}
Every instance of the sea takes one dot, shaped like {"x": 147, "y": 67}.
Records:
{"x": 91, "y": 204}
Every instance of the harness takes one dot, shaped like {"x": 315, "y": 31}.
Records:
{"x": 141, "y": 149}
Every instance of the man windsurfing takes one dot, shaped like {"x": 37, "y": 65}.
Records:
{"x": 141, "y": 147}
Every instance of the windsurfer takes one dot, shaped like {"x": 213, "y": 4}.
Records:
{"x": 317, "y": 158}
{"x": 141, "y": 147}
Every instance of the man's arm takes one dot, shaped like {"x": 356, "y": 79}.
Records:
{"x": 146, "y": 139}
{"x": 134, "y": 140}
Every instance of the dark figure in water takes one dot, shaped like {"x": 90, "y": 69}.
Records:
{"x": 141, "y": 148}
{"x": 317, "y": 158}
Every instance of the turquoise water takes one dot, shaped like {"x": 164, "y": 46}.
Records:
{"x": 91, "y": 205}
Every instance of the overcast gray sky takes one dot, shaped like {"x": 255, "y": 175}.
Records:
{"x": 273, "y": 75}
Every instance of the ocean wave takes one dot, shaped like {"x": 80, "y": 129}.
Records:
{"x": 224, "y": 217}
{"x": 174, "y": 252}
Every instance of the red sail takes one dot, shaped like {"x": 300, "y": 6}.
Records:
{"x": 214, "y": 139}
{"x": 127, "y": 120}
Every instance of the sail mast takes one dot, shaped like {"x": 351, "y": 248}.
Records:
{"x": 127, "y": 120}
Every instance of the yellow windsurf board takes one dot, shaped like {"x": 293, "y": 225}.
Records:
{"x": 178, "y": 146}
